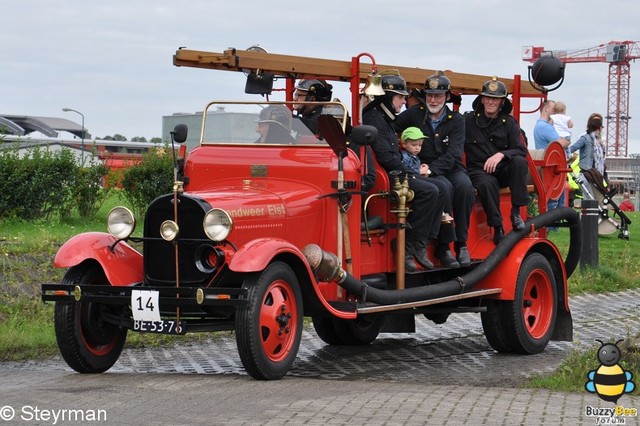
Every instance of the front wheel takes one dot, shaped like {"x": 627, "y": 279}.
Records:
{"x": 269, "y": 327}
{"x": 87, "y": 342}
{"x": 525, "y": 325}
{"x": 360, "y": 331}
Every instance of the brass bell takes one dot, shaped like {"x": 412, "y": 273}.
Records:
{"x": 373, "y": 87}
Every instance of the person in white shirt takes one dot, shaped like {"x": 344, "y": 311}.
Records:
{"x": 561, "y": 121}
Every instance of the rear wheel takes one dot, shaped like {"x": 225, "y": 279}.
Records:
{"x": 360, "y": 331}
{"x": 525, "y": 324}
{"x": 87, "y": 342}
{"x": 326, "y": 330}
{"x": 269, "y": 327}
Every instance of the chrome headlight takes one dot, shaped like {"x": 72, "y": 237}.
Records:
{"x": 120, "y": 222}
{"x": 169, "y": 230}
{"x": 217, "y": 224}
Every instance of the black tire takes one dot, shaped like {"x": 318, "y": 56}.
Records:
{"x": 326, "y": 330}
{"x": 87, "y": 343}
{"x": 525, "y": 325}
{"x": 360, "y": 331}
{"x": 269, "y": 327}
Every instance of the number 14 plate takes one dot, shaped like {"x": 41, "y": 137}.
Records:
{"x": 146, "y": 314}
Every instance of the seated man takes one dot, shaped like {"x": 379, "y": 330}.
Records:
{"x": 496, "y": 156}
{"x": 274, "y": 125}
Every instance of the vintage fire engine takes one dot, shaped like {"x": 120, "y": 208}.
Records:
{"x": 261, "y": 232}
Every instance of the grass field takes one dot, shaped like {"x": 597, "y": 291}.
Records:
{"x": 27, "y": 250}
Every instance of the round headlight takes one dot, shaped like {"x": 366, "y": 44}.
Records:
{"x": 120, "y": 222}
{"x": 169, "y": 230}
{"x": 217, "y": 224}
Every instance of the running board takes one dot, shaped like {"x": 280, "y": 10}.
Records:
{"x": 410, "y": 305}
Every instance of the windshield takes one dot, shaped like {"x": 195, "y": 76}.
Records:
{"x": 272, "y": 123}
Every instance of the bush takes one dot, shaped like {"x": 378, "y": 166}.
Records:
{"x": 43, "y": 183}
{"x": 149, "y": 179}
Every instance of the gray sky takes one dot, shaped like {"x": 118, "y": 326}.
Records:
{"x": 112, "y": 60}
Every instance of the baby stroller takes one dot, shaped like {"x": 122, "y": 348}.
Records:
{"x": 591, "y": 183}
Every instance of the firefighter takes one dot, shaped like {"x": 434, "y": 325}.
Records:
{"x": 274, "y": 125}
{"x": 442, "y": 151}
{"x": 496, "y": 156}
{"x": 311, "y": 91}
{"x": 428, "y": 202}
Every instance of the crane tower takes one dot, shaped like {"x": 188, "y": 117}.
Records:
{"x": 618, "y": 54}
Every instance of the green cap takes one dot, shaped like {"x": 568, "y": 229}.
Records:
{"x": 412, "y": 133}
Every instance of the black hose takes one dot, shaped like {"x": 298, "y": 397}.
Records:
{"x": 466, "y": 282}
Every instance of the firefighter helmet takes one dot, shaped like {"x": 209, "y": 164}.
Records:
{"x": 393, "y": 83}
{"x": 319, "y": 89}
{"x": 494, "y": 89}
{"x": 437, "y": 83}
{"x": 276, "y": 114}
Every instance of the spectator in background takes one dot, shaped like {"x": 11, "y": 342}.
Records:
{"x": 561, "y": 121}
{"x": 543, "y": 134}
{"x": 627, "y": 205}
{"x": 592, "y": 153}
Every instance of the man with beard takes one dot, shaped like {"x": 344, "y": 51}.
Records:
{"x": 496, "y": 155}
{"x": 442, "y": 151}
{"x": 428, "y": 201}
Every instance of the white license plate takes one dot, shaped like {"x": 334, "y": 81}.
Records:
{"x": 160, "y": 327}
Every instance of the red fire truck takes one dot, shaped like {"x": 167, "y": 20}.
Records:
{"x": 259, "y": 233}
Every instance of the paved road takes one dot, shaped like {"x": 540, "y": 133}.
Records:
{"x": 443, "y": 374}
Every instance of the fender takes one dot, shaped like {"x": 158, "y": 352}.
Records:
{"x": 505, "y": 274}
{"x": 122, "y": 267}
{"x": 256, "y": 255}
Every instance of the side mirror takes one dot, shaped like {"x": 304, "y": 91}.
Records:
{"x": 364, "y": 135}
{"x": 180, "y": 133}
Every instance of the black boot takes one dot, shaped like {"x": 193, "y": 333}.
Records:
{"x": 498, "y": 234}
{"x": 409, "y": 261}
{"x": 420, "y": 254}
{"x": 443, "y": 253}
{"x": 462, "y": 254}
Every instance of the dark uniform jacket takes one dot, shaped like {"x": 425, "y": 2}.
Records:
{"x": 502, "y": 134}
{"x": 386, "y": 148}
{"x": 442, "y": 148}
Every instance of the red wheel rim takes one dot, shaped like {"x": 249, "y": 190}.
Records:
{"x": 97, "y": 344}
{"x": 537, "y": 304}
{"x": 278, "y": 321}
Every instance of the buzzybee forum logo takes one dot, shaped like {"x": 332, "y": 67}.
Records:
{"x": 609, "y": 381}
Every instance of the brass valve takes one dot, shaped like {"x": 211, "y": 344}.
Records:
{"x": 404, "y": 195}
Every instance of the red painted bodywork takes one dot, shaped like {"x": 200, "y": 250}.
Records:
{"x": 122, "y": 266}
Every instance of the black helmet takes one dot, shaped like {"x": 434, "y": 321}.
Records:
{"x": 494, "y": 89}
{"x": 437, "y": 83}
{"x": 319, "y": 89}
{"x": 276, "y": 114}
{"x": 393, "y": 83}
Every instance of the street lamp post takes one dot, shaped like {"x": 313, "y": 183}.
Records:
{"x": 82, "y": 136}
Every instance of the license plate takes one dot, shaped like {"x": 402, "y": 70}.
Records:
{"x": 159, "y": 327}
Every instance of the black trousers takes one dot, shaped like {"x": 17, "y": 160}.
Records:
{"x": 509, "y": 173}
{"x": 426, "y": 209}
{"x": 461, "y": 197}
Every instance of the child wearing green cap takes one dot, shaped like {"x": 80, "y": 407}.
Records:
{"x": 411, "y": 140}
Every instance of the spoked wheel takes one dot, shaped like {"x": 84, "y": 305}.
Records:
{"x": 360, "y": 331}
{"x": 269, "y": 327}
{"x": 87, "y": 342}
{"x": 525, "y": 325}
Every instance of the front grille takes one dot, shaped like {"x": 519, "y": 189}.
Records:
{"x": 159, "y": 255}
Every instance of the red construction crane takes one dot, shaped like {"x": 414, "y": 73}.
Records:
{"x": 618, "y": 54}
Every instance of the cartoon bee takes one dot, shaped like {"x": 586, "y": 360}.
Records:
{"x": 609, "y": 381}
